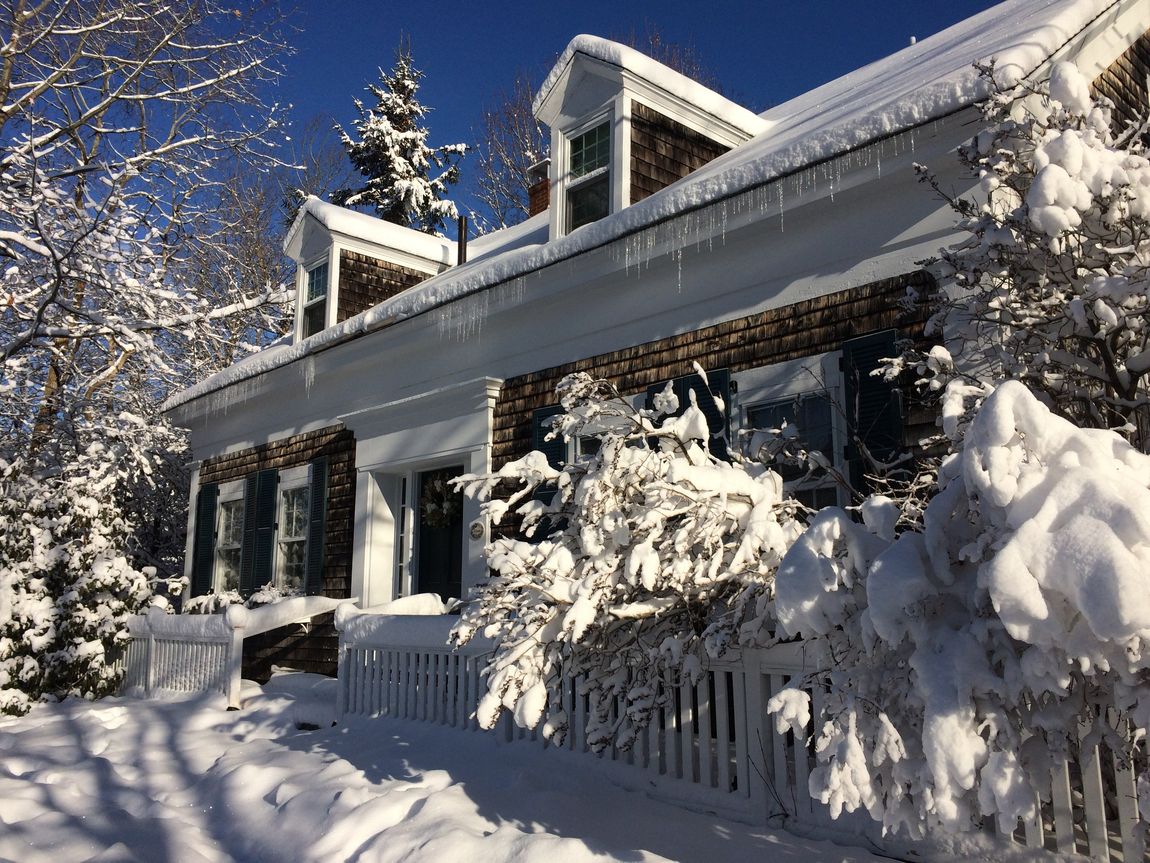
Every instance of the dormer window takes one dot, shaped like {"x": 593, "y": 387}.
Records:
{"x": 314, "y": 315}
{"x": 589, "y": 176}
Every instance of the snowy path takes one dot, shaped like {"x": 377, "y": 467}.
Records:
{"x": 146, "y": 782}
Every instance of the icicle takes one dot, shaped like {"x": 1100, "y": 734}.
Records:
{"x": 779, "y": 189}
{"x": 307, "y": 369}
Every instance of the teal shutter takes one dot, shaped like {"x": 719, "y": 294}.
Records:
{"x": 204, "y": 540}
{"x": 317, "y": 505}
{"x": 874, "y": 415}
{"x": 257, "y": 556}
{"x": 708, "y": 399}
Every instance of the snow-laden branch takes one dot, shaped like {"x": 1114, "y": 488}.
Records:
{"x": 651, "y": 553}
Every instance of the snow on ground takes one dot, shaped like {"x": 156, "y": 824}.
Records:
{"x": 186, "y": 782}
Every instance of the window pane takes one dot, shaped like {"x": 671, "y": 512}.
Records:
{"x": 590, "y": 150}
{"x": 229, "y": 539}
{"x": 294, "y": 564}
{"x": 317, "y": 282}
{"x": 314, "y": 318}
{"x": 293, "y": 523}
{"x": 819, "y": 497}
{"x": 231, "y": 527}
{"x": 292, "y": 537}
{"x": 228, "y": 569}
{"x": 809, "y": 416}
{"x": 589, "y": 202}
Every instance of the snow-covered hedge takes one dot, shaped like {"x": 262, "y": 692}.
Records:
{"x": 958, "y": 656}
{"x": 651, "y": 551}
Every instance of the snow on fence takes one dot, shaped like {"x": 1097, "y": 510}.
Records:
{"x": 172, "y": 654}
{"x": 183, "y": 654}
{"x": 1089, "y": 805}
{"x": 712, "y": 744}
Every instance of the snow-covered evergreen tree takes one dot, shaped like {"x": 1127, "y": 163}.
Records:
{"x": 389, "y": 149}
{"x": 70, "y": 567}
{"x": 652, "y": 553}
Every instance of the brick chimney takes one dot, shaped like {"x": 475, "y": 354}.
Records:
{"x": 539, "y": 192}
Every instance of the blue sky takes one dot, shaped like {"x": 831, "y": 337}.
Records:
{"x": 762, "y": 53}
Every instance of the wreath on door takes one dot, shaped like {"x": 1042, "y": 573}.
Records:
{"x": 440, "y": 505}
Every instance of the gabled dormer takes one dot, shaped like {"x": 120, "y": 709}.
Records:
{"x": 624, "y": 126}
{"x": 348, "y": 262}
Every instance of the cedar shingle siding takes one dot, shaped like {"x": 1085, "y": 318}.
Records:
{"x": 664, "y": 151}
{"x": 791, "y": 332}
{"x": 1125, "y": 84}
{"x": 289, "y": 646}
{"x": 313, "y": 648}
{"x": 365, "y": 281}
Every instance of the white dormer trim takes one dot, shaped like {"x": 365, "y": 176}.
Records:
{"x": 596, "y": 79}
{"x": 331, "y": 259}
{"x": 321, "y": 233}
{"x": 560, "y": 170}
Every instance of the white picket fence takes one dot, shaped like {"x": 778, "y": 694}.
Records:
{"x": 712, "y": 745}
{"x": 172, "y": 655}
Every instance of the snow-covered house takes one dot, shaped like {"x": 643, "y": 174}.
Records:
{"x": 776, "y": 250}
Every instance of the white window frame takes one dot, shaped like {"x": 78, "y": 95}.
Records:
{"x": 290, "y": 479}
{"x": 562, "y": 162}
{"x": 229, "y": 493}
{"x": 819, "y": 374}
{"x": 328, "y": 299}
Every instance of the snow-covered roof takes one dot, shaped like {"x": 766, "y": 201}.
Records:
{"x": 654, "y": 72}
{"x": 349, "y": 223}
{"x": 532, "y": 232}
{"x": 925, "y": 81}
{"x": 936, "y": 75}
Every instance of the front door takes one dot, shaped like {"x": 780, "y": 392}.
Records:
{"x": 438, "y": 533}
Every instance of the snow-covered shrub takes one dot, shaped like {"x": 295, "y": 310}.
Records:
{"x": 958, "y": 656}
{"x": 651, "y": 552}
{"x": 213, "y": 603}
{"x": 1052, "y": 285}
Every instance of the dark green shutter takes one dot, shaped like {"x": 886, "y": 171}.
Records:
{"x": 257, "y": 558}
{"x": 204, "y": 540}
{"x": 874, "y": 415}
{"x": 555, "y": 449}
{"x": 317, "y": 507}
{"x": 707, "y": 397}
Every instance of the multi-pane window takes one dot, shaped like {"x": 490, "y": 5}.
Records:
{"x": 806, "y": 422}
{"x": 315, "y": 300}
{"x": 229, "y": 542}
{"x": 264, "y": 527}
{"x": 292, "y": 537}
{"x": 590, "y": 151}
{"x": 588, "y": 187}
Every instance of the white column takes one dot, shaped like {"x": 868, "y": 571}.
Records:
{"x": 190, "y": 539}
